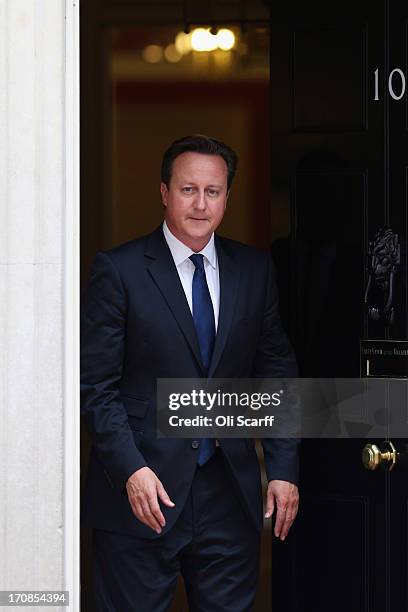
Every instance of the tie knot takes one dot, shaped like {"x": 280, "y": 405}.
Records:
{"x": 198, "y": 261}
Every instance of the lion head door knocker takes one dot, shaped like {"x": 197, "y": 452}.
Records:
{"x": 384, "y": 259}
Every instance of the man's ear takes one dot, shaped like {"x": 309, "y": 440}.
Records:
{"x": 164, "y": 193}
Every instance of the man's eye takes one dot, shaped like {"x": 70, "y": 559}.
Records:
{"x": 187, "y": 189}
{"x": 212, "y": 193}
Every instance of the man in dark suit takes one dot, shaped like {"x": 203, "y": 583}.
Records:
{"x": 181, "y": 302}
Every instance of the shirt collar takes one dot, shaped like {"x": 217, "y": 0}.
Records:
{"x": 181, "y": 252}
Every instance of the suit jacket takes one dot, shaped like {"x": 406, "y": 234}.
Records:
{"x": 137, "y": 327}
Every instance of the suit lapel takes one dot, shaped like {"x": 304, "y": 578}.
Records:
{"x": 164, "y": 273}
{"x": 229, "y": 282}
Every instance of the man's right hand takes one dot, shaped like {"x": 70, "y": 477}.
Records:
{"x": 144, "y": 489}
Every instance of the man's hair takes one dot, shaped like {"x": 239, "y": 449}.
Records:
{"x": 198, "y": 143}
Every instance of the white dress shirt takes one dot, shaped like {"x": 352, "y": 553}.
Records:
{"x": 186, "y": 268}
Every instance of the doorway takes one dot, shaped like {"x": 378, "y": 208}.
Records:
{"x": 145, "y": 82}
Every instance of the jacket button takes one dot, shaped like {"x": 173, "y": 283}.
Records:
{"x": 195, "y": 444}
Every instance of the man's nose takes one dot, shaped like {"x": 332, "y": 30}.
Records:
{"x": 200, "y": 201}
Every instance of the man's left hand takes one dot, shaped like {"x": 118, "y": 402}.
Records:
{"x": 285, "y": 496}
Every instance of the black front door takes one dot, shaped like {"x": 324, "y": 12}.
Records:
{"x": 339, "y": 175}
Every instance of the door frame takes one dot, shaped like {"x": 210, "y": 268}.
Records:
{"x": 70, "y": 305}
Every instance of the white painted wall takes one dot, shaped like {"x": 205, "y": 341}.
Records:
{"x": 38, "y": 295}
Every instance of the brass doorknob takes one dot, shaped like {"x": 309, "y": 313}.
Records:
{"x": 372, "y": 456}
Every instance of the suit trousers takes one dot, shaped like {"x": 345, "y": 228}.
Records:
{"x": 212, "y": 544}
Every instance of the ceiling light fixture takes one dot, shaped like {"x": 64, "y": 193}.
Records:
{"x": 225, "y": 39}
{"x": 203, "y": 40}
{"x": 182, "y": 43}
{"x": 172, "y": 54}
{"x": 153, "y": 54}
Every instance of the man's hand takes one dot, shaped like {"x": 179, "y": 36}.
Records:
{"x": 286, "y": 497}
{"x": 143, "y": 489}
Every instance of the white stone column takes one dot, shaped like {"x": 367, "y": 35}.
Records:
{"x": 38, "y": 296}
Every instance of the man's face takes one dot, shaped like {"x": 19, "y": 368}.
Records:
{"x": 196, "y": 198}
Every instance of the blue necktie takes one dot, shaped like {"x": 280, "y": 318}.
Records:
{"x": 203, "y": 315}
